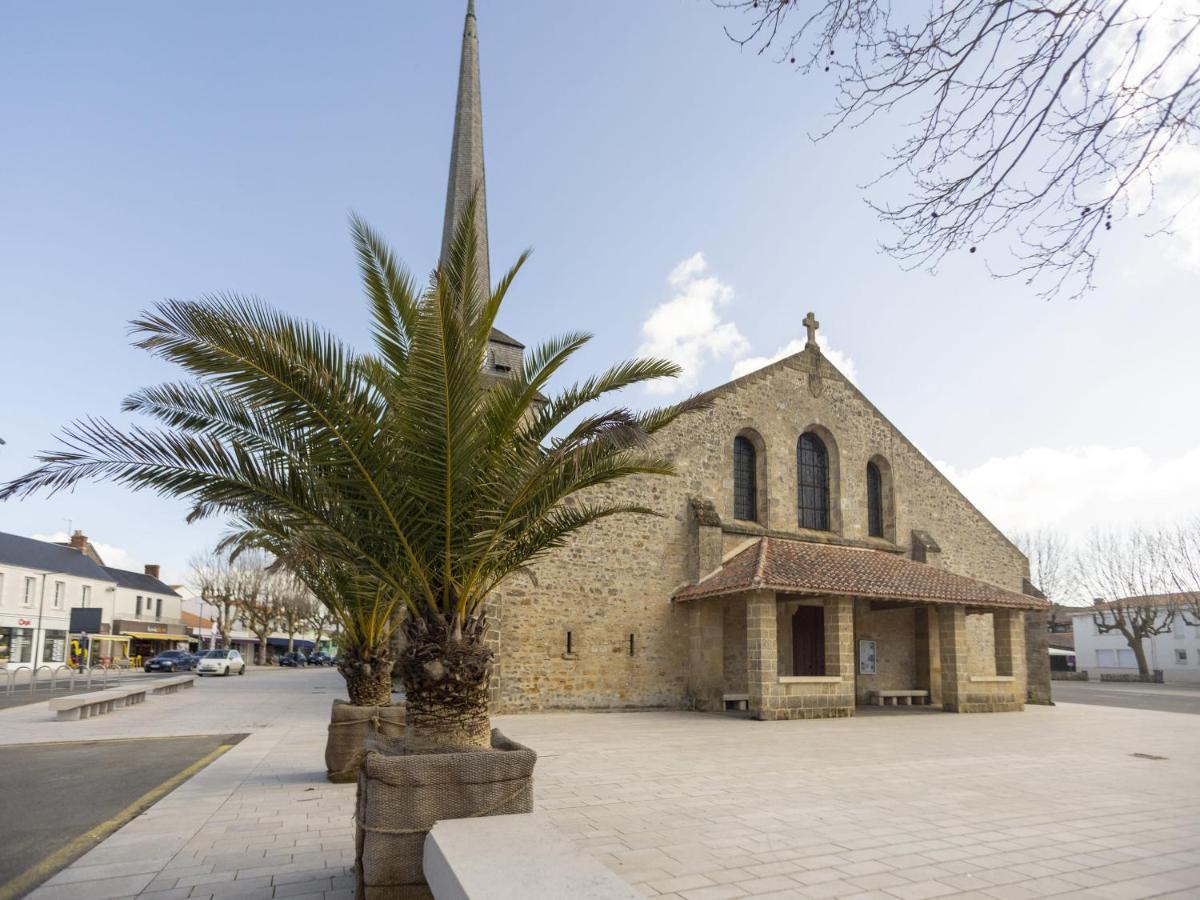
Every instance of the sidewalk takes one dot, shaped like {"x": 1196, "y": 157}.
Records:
{"x": 1050, "y": 802}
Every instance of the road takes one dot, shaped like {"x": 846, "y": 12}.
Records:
{"x": 1179, "y": 698}
{"x": 70, "y": 796}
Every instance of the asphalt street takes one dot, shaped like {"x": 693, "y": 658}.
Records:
{"x": 1179, "y": 698}
{"x": 64, "y": 798}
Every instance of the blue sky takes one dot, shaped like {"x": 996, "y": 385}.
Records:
{"x": 154, "y": 150}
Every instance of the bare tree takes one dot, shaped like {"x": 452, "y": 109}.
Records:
{"x": 1183, "y": 564}
{"x": 257, "y": 601}
{"x": 295, "y": 603}
{"x": 1041, "y": 123}
{"x": 321, "y": 621}
{"x": 1050, "y": 564}
{"x": 216, "y": 578}
{"x": 1126, "y": 572}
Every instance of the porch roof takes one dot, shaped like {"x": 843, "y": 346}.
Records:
{"x": 804, "y": 567}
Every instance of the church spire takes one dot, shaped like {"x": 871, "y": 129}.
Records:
{"x": 466, "y": 151}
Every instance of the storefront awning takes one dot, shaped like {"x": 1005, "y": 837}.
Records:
{"x": 117, "y": 638}
{"x": 153, "y": 636}
{"x": 805, "y": 567}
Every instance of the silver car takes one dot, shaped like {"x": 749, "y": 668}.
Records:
{"x": 221, "y": 662}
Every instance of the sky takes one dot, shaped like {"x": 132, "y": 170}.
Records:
{"x": 664, "y": 177}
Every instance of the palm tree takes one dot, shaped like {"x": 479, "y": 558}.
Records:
{"x": 416, "y": 481}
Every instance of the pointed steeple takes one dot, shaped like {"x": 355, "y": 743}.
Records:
{"x": 466, "y": 151}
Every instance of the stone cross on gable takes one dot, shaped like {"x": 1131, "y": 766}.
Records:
{"x": 811, "y": 323}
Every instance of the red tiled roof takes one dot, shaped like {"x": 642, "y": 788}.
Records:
{"x": 194, "y": 620}
{"x": 1157, "y": 600}
{"x": 1063, "y": 640}
{"x": 801, "y": 566}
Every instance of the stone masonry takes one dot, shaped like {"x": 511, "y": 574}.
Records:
{"x": 608, "y": 591}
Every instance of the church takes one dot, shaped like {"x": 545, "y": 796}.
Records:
{"x": 809, "y": 560}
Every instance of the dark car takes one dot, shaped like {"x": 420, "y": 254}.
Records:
{"x": 170, "y": 661}
{"x": 320, "y": 658}
{"x": 295, "y": 658}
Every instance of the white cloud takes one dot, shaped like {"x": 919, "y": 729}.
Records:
{"x": 689, "y": 328}
{"x": 1078, "y": 489}
{"x": 692, "y": 329}
{"x": 841, "y": 360}
{"x": 117, "y": 557}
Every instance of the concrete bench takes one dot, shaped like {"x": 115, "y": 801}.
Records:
{"x": 880, "y": 698}
{"x": 739, "y": 701}
{"x": 521, "y": 857}
{"x": 97, "y": 703}
{"x": 172, "y": 685}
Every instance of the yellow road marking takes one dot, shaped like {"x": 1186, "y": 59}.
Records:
{"x": 67, "y": 854}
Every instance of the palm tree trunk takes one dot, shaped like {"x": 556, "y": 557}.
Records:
{"x": 446, "y": 680}
{"x": 368, "y": 674}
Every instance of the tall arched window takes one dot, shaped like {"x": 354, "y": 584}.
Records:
{"x": 745, "y": 480}
{"x": 874, "y": 501}
{"x": 812, "y": 465}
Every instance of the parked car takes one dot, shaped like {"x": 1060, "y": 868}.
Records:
{"x": 293, "y": 658}
{"x": 221, "y": 662}
{"x": 320, "y": 658}
{"x": 170, "y": 661}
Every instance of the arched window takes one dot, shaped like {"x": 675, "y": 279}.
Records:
{"x": 874, "y": 501}
{"x": 812, "y": 464}
{"x": 745, "y": 480}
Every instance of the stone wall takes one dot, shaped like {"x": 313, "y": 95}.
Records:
{"x": 617, "y": 576}
{"x": 981, "y": 650}
{"x": 894, "y": 634}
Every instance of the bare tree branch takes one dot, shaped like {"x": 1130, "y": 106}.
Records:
{"x": 1030, "y": 127}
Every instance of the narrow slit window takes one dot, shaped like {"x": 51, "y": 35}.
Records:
{"x": 874, "y": 501}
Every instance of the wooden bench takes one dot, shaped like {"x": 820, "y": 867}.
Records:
{"x": 739, "y": 701}
{"x": 97, "y": 703}
{"x": 881, "y": 698}
{"x": 172, "y": 685}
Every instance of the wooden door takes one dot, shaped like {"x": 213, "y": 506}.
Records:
{"x": 808, "y": 641}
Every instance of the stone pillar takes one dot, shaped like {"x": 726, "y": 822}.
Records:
{"x": 706, "y": 645}
{"x": 952, "y": 637}
{"x": 1037, "y": 657}
{"x": 762, "y": 654}
{"x": 839, "y": 638}
{"x": 933, "y": 633}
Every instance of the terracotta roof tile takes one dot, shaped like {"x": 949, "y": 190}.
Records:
{"x": 1159, "y": 600}
{"x": 802, "y": 566}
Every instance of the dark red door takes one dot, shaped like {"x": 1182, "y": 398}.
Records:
{"x": 808, "y": 641}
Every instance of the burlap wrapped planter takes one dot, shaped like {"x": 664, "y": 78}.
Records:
{"x": 349, "y": 728}
{"x": 402, "y": 795}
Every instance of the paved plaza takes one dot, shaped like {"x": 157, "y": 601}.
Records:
{"x": 1072, "y": 801}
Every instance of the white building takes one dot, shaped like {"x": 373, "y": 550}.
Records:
{"x": 1177, "y": 652}
{"x": 41, "y": 582}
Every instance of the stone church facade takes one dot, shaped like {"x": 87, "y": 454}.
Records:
{"x": 808, "y": 559}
